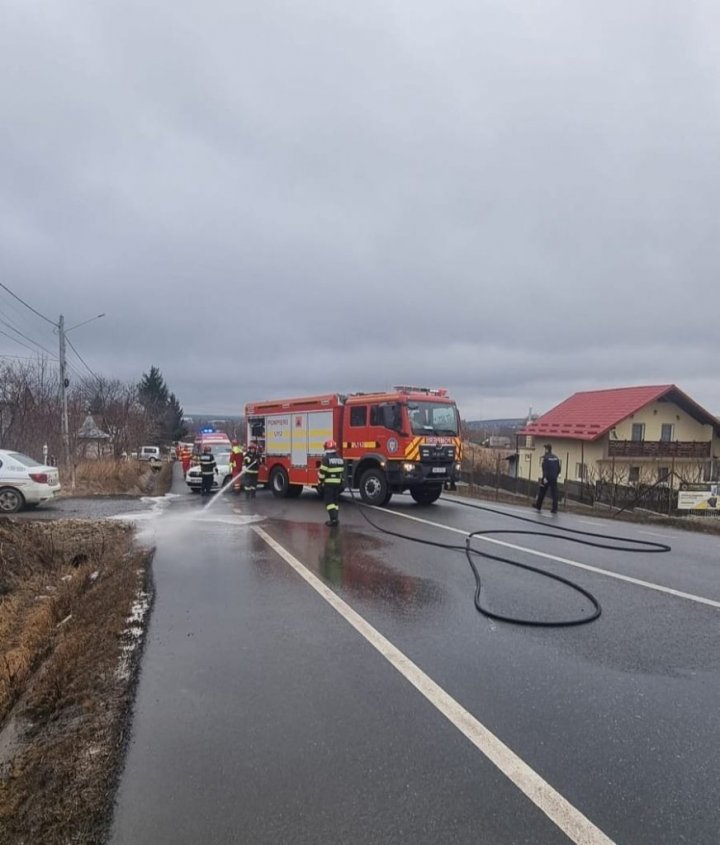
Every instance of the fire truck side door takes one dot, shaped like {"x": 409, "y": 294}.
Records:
{"x": 299, "y": 431}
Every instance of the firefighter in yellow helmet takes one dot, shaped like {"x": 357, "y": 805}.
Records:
{"x": 330, "y": 475}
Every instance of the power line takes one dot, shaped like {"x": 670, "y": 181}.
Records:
{"x": 39, "y": 345}
{"x": 82, "y": 360}
{"x": 15, "y": 340}
{"x": 47, "y": 319}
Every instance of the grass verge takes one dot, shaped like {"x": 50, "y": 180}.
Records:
{"x": 111, "y": 477}
{"x": 73, "y": 597}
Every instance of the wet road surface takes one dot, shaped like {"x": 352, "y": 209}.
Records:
{"x": 264, "y": 716}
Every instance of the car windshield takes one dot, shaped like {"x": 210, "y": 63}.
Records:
{"x": 433, "y": 418}
{"x": 25, "y": 460}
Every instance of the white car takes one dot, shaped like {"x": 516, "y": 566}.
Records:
{"x": 24, "y": 482}
{"x": 149, "y": 453}
{"x": 221, "y": 477}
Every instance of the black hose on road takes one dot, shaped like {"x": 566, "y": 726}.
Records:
{"x": 600, "y": 541}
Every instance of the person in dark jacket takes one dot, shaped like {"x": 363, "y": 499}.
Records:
{"x": 330, "y": 475}
{"x": 208, "y": 469}
{"x": 251, "y": 467}
{"x": 549, "y": 480}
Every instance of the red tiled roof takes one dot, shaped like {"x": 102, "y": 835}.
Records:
{"x": 590, "y": 414}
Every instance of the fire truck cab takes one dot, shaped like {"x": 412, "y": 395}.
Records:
{"x": 407, "y": 438}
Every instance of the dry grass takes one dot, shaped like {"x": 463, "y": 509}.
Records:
{"x": 109, "y": 476}
{"x": 483, "y": 458}
{"x": 66, "y": 592}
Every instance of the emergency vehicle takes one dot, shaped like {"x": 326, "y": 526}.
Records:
{"x": 221, "y": 447}
{"x": 407, "y": 438}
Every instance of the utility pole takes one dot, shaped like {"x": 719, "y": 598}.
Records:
{"x": 64, "y": 382}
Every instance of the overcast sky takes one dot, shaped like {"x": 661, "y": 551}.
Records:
{"x": 513, "y": 200}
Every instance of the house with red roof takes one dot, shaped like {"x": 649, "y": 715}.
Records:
{"x": 628, "y": 435}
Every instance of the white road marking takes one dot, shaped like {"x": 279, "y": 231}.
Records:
{"x": 653, "y": 534}
{"x": 627, "y": 578}
{"x": 577, "y": 827}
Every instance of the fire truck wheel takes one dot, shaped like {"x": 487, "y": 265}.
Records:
{"x": 373, "y": 487}
{"x": 294, "y": 491}
{"x": 426, "y": 495}
{"x": 279, "y": 482}
{"x": 388, "y": 496}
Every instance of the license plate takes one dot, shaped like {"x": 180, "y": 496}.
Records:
{"x": 439, "y": 470}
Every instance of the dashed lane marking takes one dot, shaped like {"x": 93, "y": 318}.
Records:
{"x": 576, "y": 826}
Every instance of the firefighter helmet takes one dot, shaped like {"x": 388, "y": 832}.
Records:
{"x": 330, "y": 445}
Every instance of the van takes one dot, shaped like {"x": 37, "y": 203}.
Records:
{"x": 149, "y": 453}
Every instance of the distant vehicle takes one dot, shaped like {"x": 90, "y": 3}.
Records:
{"x": 216, "y": 440}
{"x": 149, "y": 453}
{"x": 24, "y": 482}
{"x": 221, "y": 453}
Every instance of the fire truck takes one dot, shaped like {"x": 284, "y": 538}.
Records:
{"x": 407, "y": 438}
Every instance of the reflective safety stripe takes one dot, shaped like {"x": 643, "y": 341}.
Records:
{"x": 332, "y": 507}
{"x": 332, "y": 481}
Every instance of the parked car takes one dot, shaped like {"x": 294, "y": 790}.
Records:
{"x": 24, "y": 482}
{"x": 149, "y": 453}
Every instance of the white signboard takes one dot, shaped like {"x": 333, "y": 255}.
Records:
{"x": 699, "y": 500}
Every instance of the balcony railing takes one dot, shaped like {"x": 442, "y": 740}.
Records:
{"x": 658, "y": 449}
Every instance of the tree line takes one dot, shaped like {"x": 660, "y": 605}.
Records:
{"x": 131, "y": 413}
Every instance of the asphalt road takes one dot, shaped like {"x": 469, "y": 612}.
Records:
{"x": 385, "y": 709}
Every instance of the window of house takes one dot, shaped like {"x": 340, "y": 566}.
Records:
{"x": 634, "y": 475}
{"x": 581, "y": 472}
{"x": 358, "y": 415}
{"x": 663, "y": 473}
{"x": 711, "y": 470}
{"x": 638, "y": 431}
{"x": 666, "y": 432}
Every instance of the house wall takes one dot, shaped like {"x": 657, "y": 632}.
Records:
{"x": 571, "y": 454}
{"x": 657, "y": 413}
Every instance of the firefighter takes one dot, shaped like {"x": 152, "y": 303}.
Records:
{"x": 185, "y": 458}
{"x": 330, "y": 475}
{"x": 236, "y": 464}
{"x": 208, "y": 469}
{"x": 251, "y": 467}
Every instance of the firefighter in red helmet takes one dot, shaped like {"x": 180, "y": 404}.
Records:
{"x": 330, "y": 475}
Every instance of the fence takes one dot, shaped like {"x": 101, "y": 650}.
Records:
{"x": 661, "y": 497}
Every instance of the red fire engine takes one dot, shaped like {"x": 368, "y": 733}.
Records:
{"x": 404, "y": 439}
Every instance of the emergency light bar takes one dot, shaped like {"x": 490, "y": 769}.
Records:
{"x": 407, "y": 388}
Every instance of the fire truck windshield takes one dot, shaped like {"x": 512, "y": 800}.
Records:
{"x": 433, "y": 418}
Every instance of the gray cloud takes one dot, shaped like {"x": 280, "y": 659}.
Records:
{"x": 514, "y": 201}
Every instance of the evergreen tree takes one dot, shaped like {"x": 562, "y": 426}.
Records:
{"x": 161, "y": 407}
{"x": 176, "y": 426}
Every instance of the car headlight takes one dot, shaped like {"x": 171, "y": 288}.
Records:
{"x": 409, "y": 467}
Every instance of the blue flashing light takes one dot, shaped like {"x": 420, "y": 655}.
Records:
{"x": 207, "y": 431}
